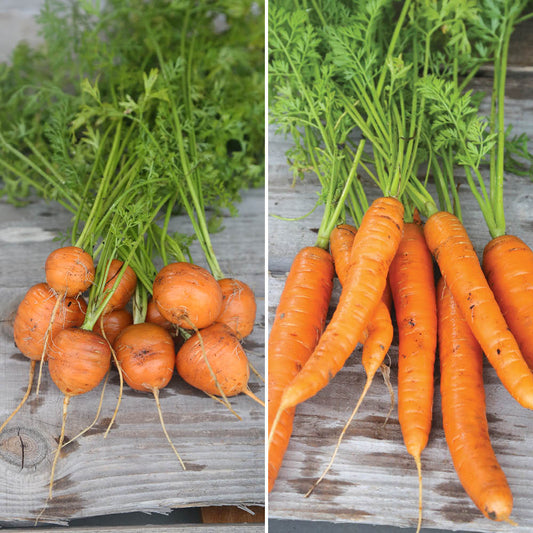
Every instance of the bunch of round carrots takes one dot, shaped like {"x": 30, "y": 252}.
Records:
{"x": 136, "y": 165}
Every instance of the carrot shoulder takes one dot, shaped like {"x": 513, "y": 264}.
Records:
{"x": 299, "y": 322}
{"x": 463, "y": 412}
{"x": 449, "y": 243}
{"x": 373, "y": 249}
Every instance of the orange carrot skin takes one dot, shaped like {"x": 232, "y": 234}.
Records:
{"x": 34, "y": 314}
{"x": 413, "y": 291}
{"x": 449, "y": 243}
{"x": 299, "y": 322}
{"x": 238, "y": 306}
{"x": 78, "y": 360}
{"x": 146, "y": 356}
{"x": 341, "y": 242}
{"x": 377, "y": 344}
{"x": 125, "y": 288}
{"x": 155, "y": 317}
{"x": 463, "y": 412}
{"x": 114, "y": 323}
{"x": 373, "y": 249}
{"x": 340, "y": 245}
{"x": 187, "y": 295}
{"x": 508, "y": 265}
{"x": 69, "y": 270}
{"x": 225, "y": 355}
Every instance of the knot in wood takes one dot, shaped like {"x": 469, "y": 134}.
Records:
{"x": 23, "y": 447}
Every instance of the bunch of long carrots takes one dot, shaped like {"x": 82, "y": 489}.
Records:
{"x": 397, "y": 106}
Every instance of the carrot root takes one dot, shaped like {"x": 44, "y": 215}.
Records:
{"x": 155, "y": 392}
{"x": 341, "y": 436}
{"x": 97, "y": 416}
{"x": 120, "y": 377}
{"x": 249, "y": 393}
{"x": 60, "y": 298}
{"x": 385, "y": 372}
{"x": 25, "y": 397}
{"x": 254, "y": 370}
{"x": 418, "y": 462}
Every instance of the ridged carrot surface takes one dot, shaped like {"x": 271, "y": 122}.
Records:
{"x": 299, "y": 322}
{"x": 373, "y": 249}
{"x": 377, "y": 337}
{"x": 449, "y": 243}
{"x": 508, "y": 265}
{"x": 413, "y": 291}
{"x": 463, "y": 412}
{"x": 340, "y": 243}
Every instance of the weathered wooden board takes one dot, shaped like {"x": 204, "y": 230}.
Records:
{"x": 373, "y": 479}
{"x": 179, "y": 528}
{"x": 134, "y": 469}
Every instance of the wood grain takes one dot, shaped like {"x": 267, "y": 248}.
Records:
{"x": 373, "y": 479}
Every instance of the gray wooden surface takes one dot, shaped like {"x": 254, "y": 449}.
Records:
{"x": 373, "y": 479}
{"x": 134, "y": 469}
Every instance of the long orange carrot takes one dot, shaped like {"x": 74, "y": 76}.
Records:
{"x": 413, "y": 291}
{"x": 300, "y": 319}
{"x": 463, "y": 412}
{"x": 448, "y": 241}
{"x": 375, "y": 337}
{"x": 508, "y": 265}
{"x": 373, "y": 249}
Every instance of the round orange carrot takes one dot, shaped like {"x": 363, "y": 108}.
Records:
{"x": 145, "y": 353}
{"x": 125, "y": 288}
{"x": 69, "y": 270}
{"x": 413, "y": 291}
{"x": 146, "y": 356}
{"x": 187, "y": 295}
{"x": 218, "y": 348}
{"x": 373, "y": 249}
{"x": 238, "y": 306}
{"x": 78, "y": 360}
{"x": 33, "y": 319}
{"x": 463, "y": 412}
{"x": 299, "y": 322}
{"x": 34, "y": 328}
{"x": 508, "y": 265}
{"x": 153, "y": 316}
{"x": 448, "y": 241}
{"x": 113, "y": 323}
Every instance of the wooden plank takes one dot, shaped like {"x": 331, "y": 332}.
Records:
{"x": 178, "y": 528}
{"x": 373, "y": 479}
{"x": 134, "y": 469}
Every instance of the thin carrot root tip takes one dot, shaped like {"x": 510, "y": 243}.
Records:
{"x": 249, "y": 393}
{"x": 97, "y": 416}
{"x": 419, "y": 470}
{"x": 24, "y": 398}
{"x": 155, "y": 392}
{"x": 341, "y": 436}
